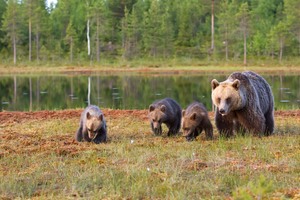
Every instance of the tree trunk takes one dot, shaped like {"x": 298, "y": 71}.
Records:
{"x": 281, "y": 49}
{"x": 15, "y": 49}
{"x": 29, "y": 30}
{"x": 37, "y": 45}
{"x": 245, "y": 46}
{"x": 71, "y": 49}
{"x": 212, "y": 27}
{"x": 226, "y": 43}
{"x": 97, "y": 40}
{"x": 88, "y": 37}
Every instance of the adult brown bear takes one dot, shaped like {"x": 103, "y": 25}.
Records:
{"x": 244, "y": 103}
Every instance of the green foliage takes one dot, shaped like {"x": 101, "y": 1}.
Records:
{"x": 150, "y": 29}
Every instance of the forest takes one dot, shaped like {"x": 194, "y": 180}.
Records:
{"x": 96, "y": 30}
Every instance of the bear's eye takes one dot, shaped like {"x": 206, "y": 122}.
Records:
{"x": 218, "y": 100}
{"x": 228, "y": 100}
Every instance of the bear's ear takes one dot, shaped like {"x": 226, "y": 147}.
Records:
{"x": 163, "y": 108}
{"x": 151, "y": 108}
{"x": 214, "y": 84}
{"x": 100, "y": 117}
{"x": 193, "y": 116}
{"x": 236, "y": 84}
{"x": 88, "y": 115}
{"x": 183, "y": 113}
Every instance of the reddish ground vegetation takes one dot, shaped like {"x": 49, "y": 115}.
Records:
{"x": 32, "y": 141}
{"x": 19, "y": 117}
{"x": 7, "y": 116}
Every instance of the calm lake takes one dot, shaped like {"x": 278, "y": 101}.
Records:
{"x": 125, "y": 91}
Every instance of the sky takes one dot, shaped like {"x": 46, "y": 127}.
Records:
{"x": 51, "y": 1}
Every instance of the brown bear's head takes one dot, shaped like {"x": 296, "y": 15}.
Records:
{"x": 226, "y": 96}
{"x": 93, "y": 124}
{"x": 157, "y": 115}
{"x": 190, "y": 122}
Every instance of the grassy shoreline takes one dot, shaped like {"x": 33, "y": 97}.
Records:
{"x": 147, "y": 69}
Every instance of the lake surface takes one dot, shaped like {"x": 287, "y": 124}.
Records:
{"x": 30, "y": 93}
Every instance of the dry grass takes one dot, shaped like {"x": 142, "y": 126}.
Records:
{"x": 39, "y": 159}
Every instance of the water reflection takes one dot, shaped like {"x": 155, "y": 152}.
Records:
{"x": 23, "y": 93}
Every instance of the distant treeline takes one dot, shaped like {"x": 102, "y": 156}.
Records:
{"x": 94, "y": 30}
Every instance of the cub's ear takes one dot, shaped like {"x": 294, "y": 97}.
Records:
{"x": 183, "y": 113}
{"x": 214, "y": 84}
{"x": 100, "y": 117}
{"x": 236, "y": 84}
{"x": 193, "y": 116}
{"x": 163, "y": 108}
{"x": 88, "y": 115}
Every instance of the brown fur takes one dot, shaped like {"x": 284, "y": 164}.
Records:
{"x": 165, "y": 111}
{"x": 92, "y": 126}
{"x": 244, "y": 102}
{"x": 194, "y": 120}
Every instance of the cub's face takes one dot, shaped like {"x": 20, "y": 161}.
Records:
{"x": 93, "y": 124}
{"x": 157, "y": 116}
{"x": 189, "y": 123}
{"x": 225, "y": 96}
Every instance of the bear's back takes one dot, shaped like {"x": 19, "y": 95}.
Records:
{"x": 168, "y": 102}
{"x": 195, "y": 107}
{"x": 257, "y": 88}
{"x": 173, "y": 109}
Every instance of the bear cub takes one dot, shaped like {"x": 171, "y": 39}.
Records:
{"x": 92, "y": 126}
{"x": 244, "y": 102}
{"x": 194, "y": 120}
{"x": 166, "y": 111}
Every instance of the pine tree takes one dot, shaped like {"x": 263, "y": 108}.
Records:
{"x": 226, "y": 22}
{"x": 152, "y": 26}
{"x": 39, "y": 22}
{"x": 292, "y": 12}
{"x": 243, "y": 18}
{"x": 3, "y": 6}
{"x": 262, "y": 20}
{"x": 97, "y": 14}
{"x": 133, "y": 31}
{"x": 71, "y": 39}
{"x": 11, "y": 24}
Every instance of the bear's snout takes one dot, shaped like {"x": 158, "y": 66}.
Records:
{"x": 157, "y": 130}
{"x": 92, "y": 135}
{"x": 156, "y": 125}
{"x": 222, "y": 111}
